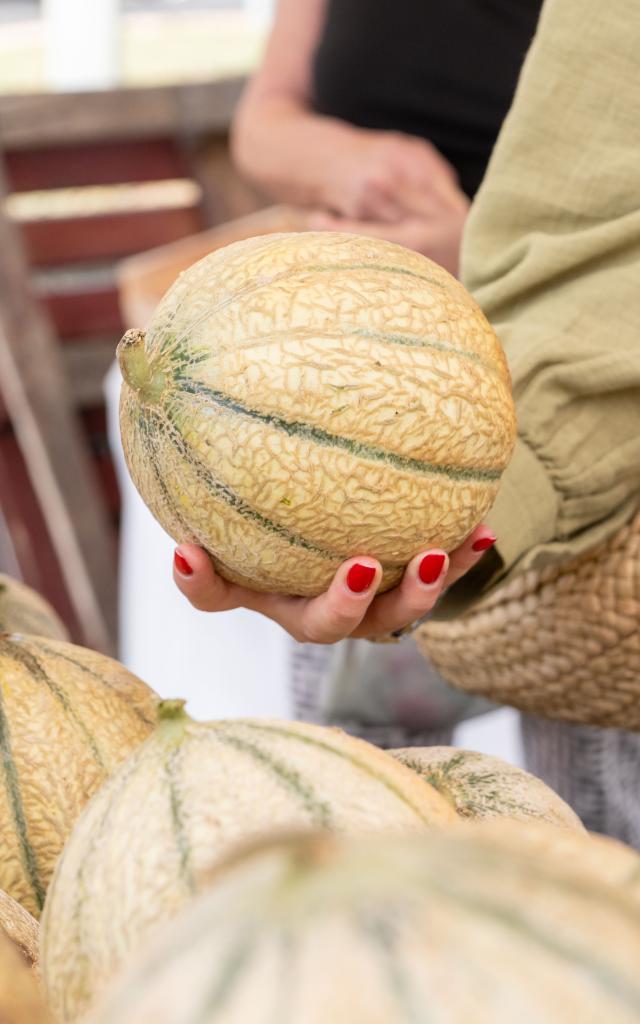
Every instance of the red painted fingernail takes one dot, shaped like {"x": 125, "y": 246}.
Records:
{"x": 360, "y": 577}
{"x": 431, "y": 567}
{"x": 182, "y": 565}
{"x": 483, "y": 543}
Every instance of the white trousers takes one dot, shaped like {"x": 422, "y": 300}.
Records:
{"x": 226, "y": 666}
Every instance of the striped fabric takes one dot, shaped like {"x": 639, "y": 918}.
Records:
{"x": 594, "y": 770}
{"x": 388, "y": 694}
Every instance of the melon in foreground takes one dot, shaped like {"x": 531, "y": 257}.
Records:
{"x": 613, "y": 862}
{"x": 20, "y": 927}
{"x": 179, "y": 805}
{"x": 20, "y": 998}
{"x": 301, "y": 398}
{"x": 22, "y": 610}
{"x": 68, "y": 717}
{"x": 453, "y": 927}
{"x": 481, "y": 786}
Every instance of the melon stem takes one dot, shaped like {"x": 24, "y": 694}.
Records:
{"x": 171, "y": 710}
{"x": 138, "y": 372}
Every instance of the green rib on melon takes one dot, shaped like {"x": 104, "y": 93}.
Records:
{"x": 177, "y": 806}
{"x": 480, "y": 786}
{"x": 301, "y": 398}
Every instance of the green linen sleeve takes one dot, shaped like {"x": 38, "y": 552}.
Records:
{"x": 552, "y": 255}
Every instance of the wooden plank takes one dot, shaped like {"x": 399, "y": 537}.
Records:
{"x": 112, "y": 236}
{"x": 107, "y": 163}
{"x": 143, "y": 279}
{"x": 225, "y": 194}
{"x": 8, "y": 558}
{"x": 82, "y": 314}
{"x": 40, "y": 119}
{"x": 33, "y": 557}
{"x": 35, "y": 393}
{"x": 94, "y": 422}
{"x": 87, "y": 362}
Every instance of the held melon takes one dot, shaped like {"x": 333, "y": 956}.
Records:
{"x": 179, "y": 804}
{"x": 22, "y": 610}
{"x": 301, "y": 398}
{"x": 452, "y": 927}
{"x": 480, "y": 786}
{"x": 68, "y": 716}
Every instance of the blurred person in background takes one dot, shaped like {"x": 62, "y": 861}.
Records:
{"x": 552, "y": 254}
{"x": 381, "y": 114}
{"x": 379, "y": 117}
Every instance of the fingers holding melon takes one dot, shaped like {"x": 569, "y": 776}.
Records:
{"x": 351, "y": 606}
{"x": 302, "y": 399}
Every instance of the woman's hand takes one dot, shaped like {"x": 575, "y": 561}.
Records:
{"x": 298, "y": 156}
{"x": 371, "y": 174}
{"x": 431, "y": 224}
{"x": 350, "y": 607}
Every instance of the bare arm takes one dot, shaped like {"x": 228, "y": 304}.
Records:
{"x": 296, "y": 155}
{"x": 276, "y": 139}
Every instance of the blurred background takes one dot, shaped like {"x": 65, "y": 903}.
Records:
{"x": 114, "y": 128}
{"x": 70, "y": 44}
{"x": 114, "y": 121}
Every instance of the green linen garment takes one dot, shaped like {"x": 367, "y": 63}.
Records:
{"x": 552, "y": 254}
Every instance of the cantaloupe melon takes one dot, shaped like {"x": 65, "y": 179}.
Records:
{"x": 68, "y": 716}
{"x": 22, "y": 610}
{"x": 179, "y": 804}
{"x": 480, "y": 786}
{"x": 20, "y": 927}
{"x": 456, "y": 927}
{"x": 300, "y": 398}
{"x": 20, "y": 998}
{"x": 609, "y": 860}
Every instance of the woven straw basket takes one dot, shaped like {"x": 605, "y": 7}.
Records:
{"x": 563, "y": 643}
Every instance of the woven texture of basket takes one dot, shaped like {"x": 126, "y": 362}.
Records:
{"x": 563, "y": 643}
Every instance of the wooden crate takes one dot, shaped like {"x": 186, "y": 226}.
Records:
{"x": 143, "y": 279}
{"x": 60, "y": 316}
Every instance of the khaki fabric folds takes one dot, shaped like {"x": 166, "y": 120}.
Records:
{"x": 552, "y": 254}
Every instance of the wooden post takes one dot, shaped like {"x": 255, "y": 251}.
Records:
{"x": 34, "y": 392}
{"x": 8, "y": 561}
{"x": 82, "y": 44}
{"x": 260, "y": 11}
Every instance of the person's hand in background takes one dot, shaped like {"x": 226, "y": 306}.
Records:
{"x": 371, "y": 178}
{"x": 431, "y": 222}
{"x": 376, "y": 176}
{"x": 350, "y": 607}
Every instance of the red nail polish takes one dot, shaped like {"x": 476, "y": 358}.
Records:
{"x": 431, "y": 567}
{"x": 182, "y": 565}
{"x": 483, "y": 543}
{"x": 360, "y": 577}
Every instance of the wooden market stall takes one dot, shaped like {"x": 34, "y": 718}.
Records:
{"x": 161, "y": 153}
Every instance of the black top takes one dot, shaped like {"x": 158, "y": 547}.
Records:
{"x": 445, "y": 70}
